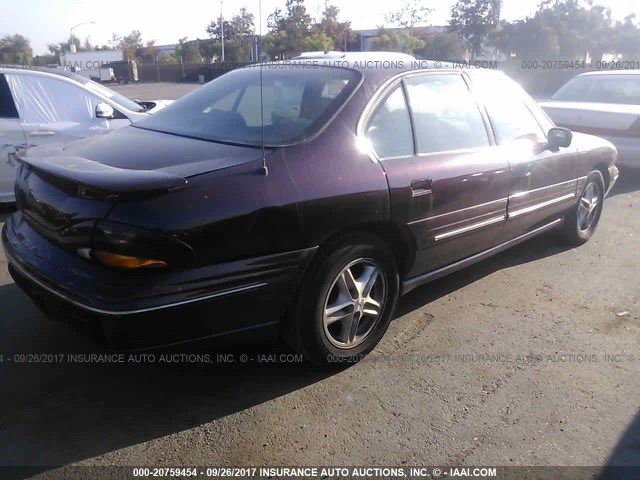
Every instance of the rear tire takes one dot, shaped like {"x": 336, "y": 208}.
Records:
{"x": 345, "y": 303}
{"x": 582, "y": 220}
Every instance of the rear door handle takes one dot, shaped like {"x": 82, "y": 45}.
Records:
{"x": 421, "y": 187}
{"x": 42, "y": 133}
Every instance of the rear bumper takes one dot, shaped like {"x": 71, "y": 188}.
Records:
{"x": 628, "y": 151}
{"x": 143, "y": 311}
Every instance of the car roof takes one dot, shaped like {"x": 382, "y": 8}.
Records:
{"x": 335, "y": 55}
{"x": 610, "y": 72}
{"x": 373, "y": 66}
{"x": 26, "y": 69}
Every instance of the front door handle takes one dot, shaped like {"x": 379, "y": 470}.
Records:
{"x": 42, "y": 133}
{"x": 421, "y": 187}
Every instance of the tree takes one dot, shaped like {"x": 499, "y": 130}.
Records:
{"x": 148, "y": 53}
{"x": 238, "y": 37}
{"x": 59, "y": 48}
{"x": 188, "y": 51}
{"x": 288, "y": 30}
{"x": 410, "y": 14}
{"x": 405, "y": 42}
{"x": 130, "y": 44}
{"x": 318, "y": 42}
{"x": 15, "y": 49}
{"x": 441, "y": 46}
{"x": 625, "y": 38}
{"x": 474, "y": 21}
{"x": 340, "y": 33}
{"x": 567, "y": 30}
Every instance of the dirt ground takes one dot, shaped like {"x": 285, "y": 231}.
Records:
{"x": 522, "y": 359}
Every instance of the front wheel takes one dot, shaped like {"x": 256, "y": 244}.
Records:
{"x": 581, "y": 222}
{"x": 345, "y": 303}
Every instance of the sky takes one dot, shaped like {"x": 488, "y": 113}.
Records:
{"x": 49, "y": 21}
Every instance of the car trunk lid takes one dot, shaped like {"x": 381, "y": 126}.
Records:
{"x": 63, "y": 191}
{"x": 603, "y": 119}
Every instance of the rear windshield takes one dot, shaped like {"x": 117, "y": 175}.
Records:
{"x": 296, "y": 103}
{"x": 621, "y": 89}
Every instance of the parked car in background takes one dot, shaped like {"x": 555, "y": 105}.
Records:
{"x": 221, "y": 215}
{"x": 44, "y": 106}
{"x": 606, "y": 104}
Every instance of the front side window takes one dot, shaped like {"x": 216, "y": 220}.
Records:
{"x": 446, "y": 114}
{"x": 513, "y": 114}
{"x": 285, "y": 104}
{"x": 389, "y": 128}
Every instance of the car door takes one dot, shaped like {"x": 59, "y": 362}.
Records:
{"x": 446, "y": 185}
{"x": 543, "y": 182}
{"x": 11, "y": 140}
{"x": 55, "y": 110}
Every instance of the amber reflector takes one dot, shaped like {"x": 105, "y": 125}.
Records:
{"x": 125, "y": 261}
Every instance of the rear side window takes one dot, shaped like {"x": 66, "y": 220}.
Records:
{"x": 7, "y": 105}
{"x": 512, "y": 120}
{"x": 389, "y": 128}
{"x": 446, "y": 115}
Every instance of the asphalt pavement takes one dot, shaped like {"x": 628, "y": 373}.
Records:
{"x": 529, "y": 358}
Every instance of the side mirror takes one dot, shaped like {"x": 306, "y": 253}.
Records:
{"x": 104, "y": 110}
{"x": 559, "y": 138}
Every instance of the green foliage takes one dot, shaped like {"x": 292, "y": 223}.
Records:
{"x": 474, "y": 21}
{"x": 410, "y": 14}
{"x": 238, "y": 38}
{"x": 568, "y": 30}
{"x": 15, "y": 49}
{"x": 318, "y": 42}
{"x": 339, "y": 32}
{"x": 130, "y": 44}
{"x": 404, "y": 42}
{"x": 441, "y": 46}
{"x": 188, "y": 51}
{"x": 287, "y": 30}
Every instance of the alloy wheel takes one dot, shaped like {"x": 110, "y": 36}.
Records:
{"x": 588, "y": 207}
{"x": 354, "y": 304}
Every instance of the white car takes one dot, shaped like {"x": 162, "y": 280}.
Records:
{"x": 43, "y": 106}
{"x": 606, "y": 104}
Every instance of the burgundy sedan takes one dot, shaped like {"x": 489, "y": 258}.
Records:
{"x": 299, "y": 199}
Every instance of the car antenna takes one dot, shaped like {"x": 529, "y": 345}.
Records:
{"x": 265, "y": 169}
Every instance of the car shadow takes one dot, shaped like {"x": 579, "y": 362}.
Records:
{"x": 628, "y": 182}
{"x": 624, "y": 462}
{"x": 69, "y": 406}
{"x": 61, "y": 412}
{"x": 545, "y": 245}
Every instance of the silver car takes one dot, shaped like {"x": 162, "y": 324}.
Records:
{"x": 44, "y": 106}
{"x": 606, "y": 104}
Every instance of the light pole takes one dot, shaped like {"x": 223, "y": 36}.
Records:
{"x": 222, "y": 26}
{"x": 73, "y": 28}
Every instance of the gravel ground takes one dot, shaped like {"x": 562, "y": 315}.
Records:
{"x": 519, "y": 360}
